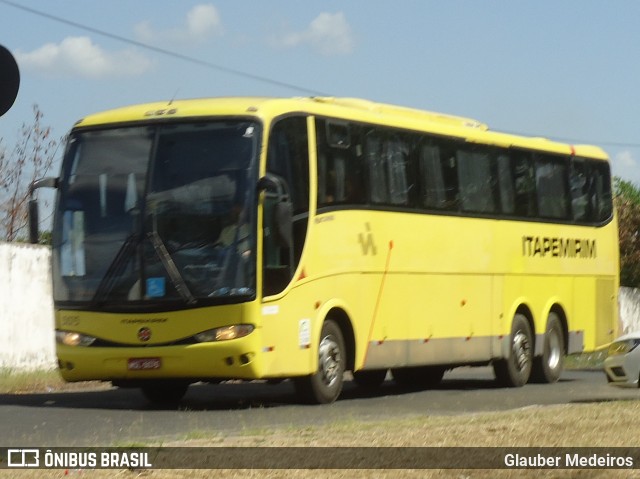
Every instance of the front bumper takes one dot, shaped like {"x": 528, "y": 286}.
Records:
{"x": 234, "y": 359}
{"x": 623, "y": 370}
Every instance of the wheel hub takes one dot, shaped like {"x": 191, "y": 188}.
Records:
{"x": 329, "y": 358}
{"x": 521, "y": 350}
{"x": 554, "y": 351}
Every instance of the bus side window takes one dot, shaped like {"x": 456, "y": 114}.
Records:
{"x": 551, "y": 174}
{"x": 340, "y": 176}
{"x": 506, "y": 186}
{"x": 325, "y": 193}
{"x": 524, "y": 185}
{"x": 591, "y": 196}
{"x": 433, "y": 191}
{"x": 396, "y": 153}
{"x": 579, "y": 182}
{"x": 476, "y": 181}
{"x": 449, "y": 168}
{"x": 374, "y": 158}
{"x": 600, "y": 191}
{"x": 387, "y": 156}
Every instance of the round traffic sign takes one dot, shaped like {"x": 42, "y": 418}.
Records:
{"x": 9, "y": 80}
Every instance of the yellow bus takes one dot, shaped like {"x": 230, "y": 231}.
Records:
{"x": 257, "y": 238}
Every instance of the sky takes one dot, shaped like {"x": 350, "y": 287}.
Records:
{"x": 564, "y": 70}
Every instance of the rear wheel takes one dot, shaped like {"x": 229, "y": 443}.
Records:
{"x": 325, "y": 385}
{"x": 548, "y": 367}
{"x": 515, "y": 369}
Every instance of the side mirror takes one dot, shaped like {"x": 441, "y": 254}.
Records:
{"x": 271, "y": 184}
{"x": 48, "y": 182}
{"x": 34, "y": 217}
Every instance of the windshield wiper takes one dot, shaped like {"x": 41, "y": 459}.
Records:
{"x": 116, "y": 268}
{"x": 171, "y": 268}
{"x": 119, "y": 263}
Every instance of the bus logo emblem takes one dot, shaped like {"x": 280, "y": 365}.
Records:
{"x": 366, "y": 241}
{"x": 144, "y": 334}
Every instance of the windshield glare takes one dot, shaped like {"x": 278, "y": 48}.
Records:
{"x": 157, "y": 214}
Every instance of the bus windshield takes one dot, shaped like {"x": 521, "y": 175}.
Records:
{"x": 157, "y": 214}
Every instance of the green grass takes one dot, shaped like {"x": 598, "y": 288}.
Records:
{"x": 40, "y": 381}
{"x": 589, "y": 361}
{"x": 12, "y": 381}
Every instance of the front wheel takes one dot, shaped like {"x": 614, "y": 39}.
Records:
{"x": 515, "y": 369}
{"x": 325, "y": 385}
{"x": 548, "y": 367}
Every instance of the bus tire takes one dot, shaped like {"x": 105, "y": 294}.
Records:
{"x": 325, "y": 385}
{"x": 548, "y": 367}
{"x": 418, "y": 377}
{"x": 515, "y": 369}
{"x": 370, "y": 379}
{"x": 165, "y": 393}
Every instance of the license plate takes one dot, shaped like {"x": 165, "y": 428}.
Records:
{"x": 141, "y": 364}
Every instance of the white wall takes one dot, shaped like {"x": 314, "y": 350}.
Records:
{"x": 629, "y": 302}
{"x": 26, "y": 308}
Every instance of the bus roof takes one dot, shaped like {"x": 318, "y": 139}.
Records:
{"x": 342, "y": 108}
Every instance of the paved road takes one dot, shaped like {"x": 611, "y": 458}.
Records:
{"x": 119, "y": 417}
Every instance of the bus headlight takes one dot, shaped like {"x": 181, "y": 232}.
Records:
{"x": 224, "y": 333}
{"x": 70, "y": 338}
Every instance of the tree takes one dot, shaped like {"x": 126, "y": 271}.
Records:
{"x": 31, "y": 158}
{"x": 627, "y": 202}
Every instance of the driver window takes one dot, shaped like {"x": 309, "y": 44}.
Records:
{"x": 287, "y": 159}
